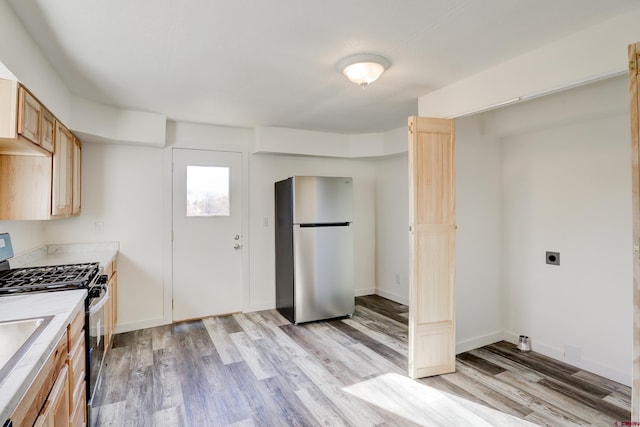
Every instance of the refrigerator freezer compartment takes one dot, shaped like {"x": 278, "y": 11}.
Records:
{"x": 322, "y": 199}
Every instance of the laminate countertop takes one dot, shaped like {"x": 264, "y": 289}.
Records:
{"x": 62, "y": 306}
{"x": 73, "y": 253}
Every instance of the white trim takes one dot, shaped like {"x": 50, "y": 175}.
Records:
{"x": 364, "y": 291}
{"x": 392, "y": 297}
{"x": 137, "y": 325}
{"x": 167, "y": 228}
{"x": 477, "y": 342}
{"x": 260, "y": 307}
{"x": 585, "y": 364}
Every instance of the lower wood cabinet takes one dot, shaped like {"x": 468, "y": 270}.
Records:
{"x": 36, "y": 398}
{"x": 111, "y": 307}
{"x": 57, "y": 396}
{"x": 76, "y": 361}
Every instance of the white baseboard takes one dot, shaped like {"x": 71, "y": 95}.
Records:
{"x": 477, "y": 342}
{"x": 392, "y": 297}
{"x": 144, "y": 324}
{"x": 586, "y": 364}
{"x": 364, "y": 291}
{"x": 260, "y": 307}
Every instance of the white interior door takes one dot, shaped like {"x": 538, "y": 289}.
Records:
{"x": 207, "y": 235}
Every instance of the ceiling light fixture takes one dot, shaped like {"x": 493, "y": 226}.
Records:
{"x": 363, "y": 69}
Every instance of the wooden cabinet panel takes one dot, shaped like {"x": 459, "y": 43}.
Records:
{"x": 35, "y": 397}
{"x": 56, "y": 410}
{"x": 114, "y": 298}
{"x": 78, "y": 418}
{"x": 77, "y": 369}
{"x": 29, "y": 116}
{"x": 48, "y": 130}
{"x": 111, "y": 308}
{"x": 76, "y": 178}
{"x": 62, "y": 175}
{"x": 76, "y": 329}
{"x": 20, "y": 121}
{"x": 25, "y": 187}
{"x": 76, "y": 366}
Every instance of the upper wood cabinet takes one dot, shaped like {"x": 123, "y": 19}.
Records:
{"x": 25, "y": 124}
{"x": 40, "y": 159}
{"x": 62, "y": 185}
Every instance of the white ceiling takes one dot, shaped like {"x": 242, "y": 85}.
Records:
{"x": 273, "y": 62}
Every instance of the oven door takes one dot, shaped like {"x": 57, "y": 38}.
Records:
{"x": 96, "y": 322}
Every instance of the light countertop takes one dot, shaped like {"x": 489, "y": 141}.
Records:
{"x": 63, "y": 306}
{"x": 73, "y": 253}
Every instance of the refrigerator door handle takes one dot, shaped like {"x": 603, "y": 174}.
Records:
{"x": 326, "y": 224}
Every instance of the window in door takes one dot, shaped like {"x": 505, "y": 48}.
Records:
{"x": 207, "y": 191}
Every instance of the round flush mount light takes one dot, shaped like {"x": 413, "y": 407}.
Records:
{"x": 363, "y": 69}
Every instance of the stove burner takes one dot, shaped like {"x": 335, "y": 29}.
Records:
{"x": 55, "y": 277}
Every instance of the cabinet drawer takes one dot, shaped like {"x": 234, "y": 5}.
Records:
{"x": 76, "y": 329}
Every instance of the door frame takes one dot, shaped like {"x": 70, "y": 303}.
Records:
{"x": 634, "y": 117}
{"x": 186, "y": 228}
{"x": 211, "y": 142}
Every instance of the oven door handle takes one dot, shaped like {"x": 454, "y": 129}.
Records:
{"x": 93, "y": 309}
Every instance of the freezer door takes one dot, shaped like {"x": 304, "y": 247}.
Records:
{"x": 323, "y": 282}
{"x": 320, "y": 199}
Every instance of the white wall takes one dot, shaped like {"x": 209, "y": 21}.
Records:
{"x": 25, "y": 235}
{"x": 479, "y": 296}
{"x": 122, "y": 188}
{"x": 267, "y": 169}
{"x": 567, "y": 188}
{"x": 20, "y": 54}
{"x": 392, "y": 228}
{"x": 587, "y": 55}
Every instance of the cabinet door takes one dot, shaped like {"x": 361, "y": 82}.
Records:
{"x": 47, "y": 130}
{"x": 77, "y": 162}
{"x": 56, "y": 409}
{"x": 29, "y": 116}
{"x": 62, "y": 185}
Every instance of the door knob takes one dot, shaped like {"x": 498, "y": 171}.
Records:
{"x": 238, "y": 246}
{"x": 236, "y": 237}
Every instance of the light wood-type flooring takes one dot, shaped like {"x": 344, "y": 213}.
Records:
{"x": 257, "y": 369}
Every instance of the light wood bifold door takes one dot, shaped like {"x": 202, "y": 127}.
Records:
{"x": 634, "y": 83}
{"x": 432, "y": 247}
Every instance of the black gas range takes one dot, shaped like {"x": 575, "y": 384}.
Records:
{"x": 48, "y": 278}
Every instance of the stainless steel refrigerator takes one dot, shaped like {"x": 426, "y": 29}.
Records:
{"x": 314, "y": 248}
